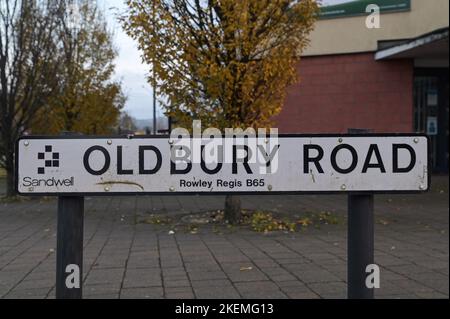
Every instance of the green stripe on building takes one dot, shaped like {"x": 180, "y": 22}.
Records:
{"x": 358, "y": 7}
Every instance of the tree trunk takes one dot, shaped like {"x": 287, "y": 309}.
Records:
{"x": 9, "y": 167}
{"x": 232, "y": 209}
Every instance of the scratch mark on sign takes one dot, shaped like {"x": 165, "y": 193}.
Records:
{"x": 121, "y": 183}
{"x": 422, "y": 175}
{"x": 312, "y": 175}
{"x": 425, "y": 171}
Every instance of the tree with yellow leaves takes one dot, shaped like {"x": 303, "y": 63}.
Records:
{"x": 224, "y": 62}
{"x": 87, "y": 101}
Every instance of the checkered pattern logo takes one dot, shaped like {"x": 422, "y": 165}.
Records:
{"x": 49, "y": 158}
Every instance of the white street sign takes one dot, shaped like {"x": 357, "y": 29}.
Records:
{"x": 346, "y": 163}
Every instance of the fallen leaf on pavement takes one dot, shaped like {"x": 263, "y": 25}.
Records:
{"x": 245, "y": 268}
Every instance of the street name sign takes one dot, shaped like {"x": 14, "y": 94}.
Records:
{"x": 83, "y": 165}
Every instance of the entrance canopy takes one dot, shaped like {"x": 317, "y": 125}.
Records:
{"x": 433, "y": 45}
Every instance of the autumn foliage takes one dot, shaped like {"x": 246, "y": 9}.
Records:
{"x": 86, "y": 100}
{"x": 224, "y": 62}
{"x": 56, "y": 68}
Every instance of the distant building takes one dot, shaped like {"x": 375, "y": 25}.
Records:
{"x": 390, "y": 79}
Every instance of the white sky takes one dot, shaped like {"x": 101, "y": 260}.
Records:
{"x": 129, "y": 67}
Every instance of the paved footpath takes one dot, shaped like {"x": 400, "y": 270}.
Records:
{"x": 127, "y": 258}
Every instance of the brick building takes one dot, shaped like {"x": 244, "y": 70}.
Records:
{"x": 388, "y": 79}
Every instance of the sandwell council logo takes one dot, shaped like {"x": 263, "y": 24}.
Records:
{"x": 49, "y": 159}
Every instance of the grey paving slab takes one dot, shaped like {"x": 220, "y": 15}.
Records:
{"x": 127, "y": 258}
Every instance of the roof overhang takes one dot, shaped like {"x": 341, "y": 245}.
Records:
{"x": 433, "y": 45}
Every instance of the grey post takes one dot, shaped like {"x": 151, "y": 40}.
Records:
{"x": 69, "y": 247}
{"x": 360, "y": 241}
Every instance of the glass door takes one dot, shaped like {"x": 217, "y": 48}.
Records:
{"x": 431, "y": 107}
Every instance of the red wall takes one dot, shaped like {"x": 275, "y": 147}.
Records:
{"x": 349, "y": 91}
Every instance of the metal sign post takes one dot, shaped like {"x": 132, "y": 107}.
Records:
{"x": 360, "y": 241}
{"x": 69, "y": 247}
{"x": 360, "y": 245}
{"x": 69, "y": 242}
